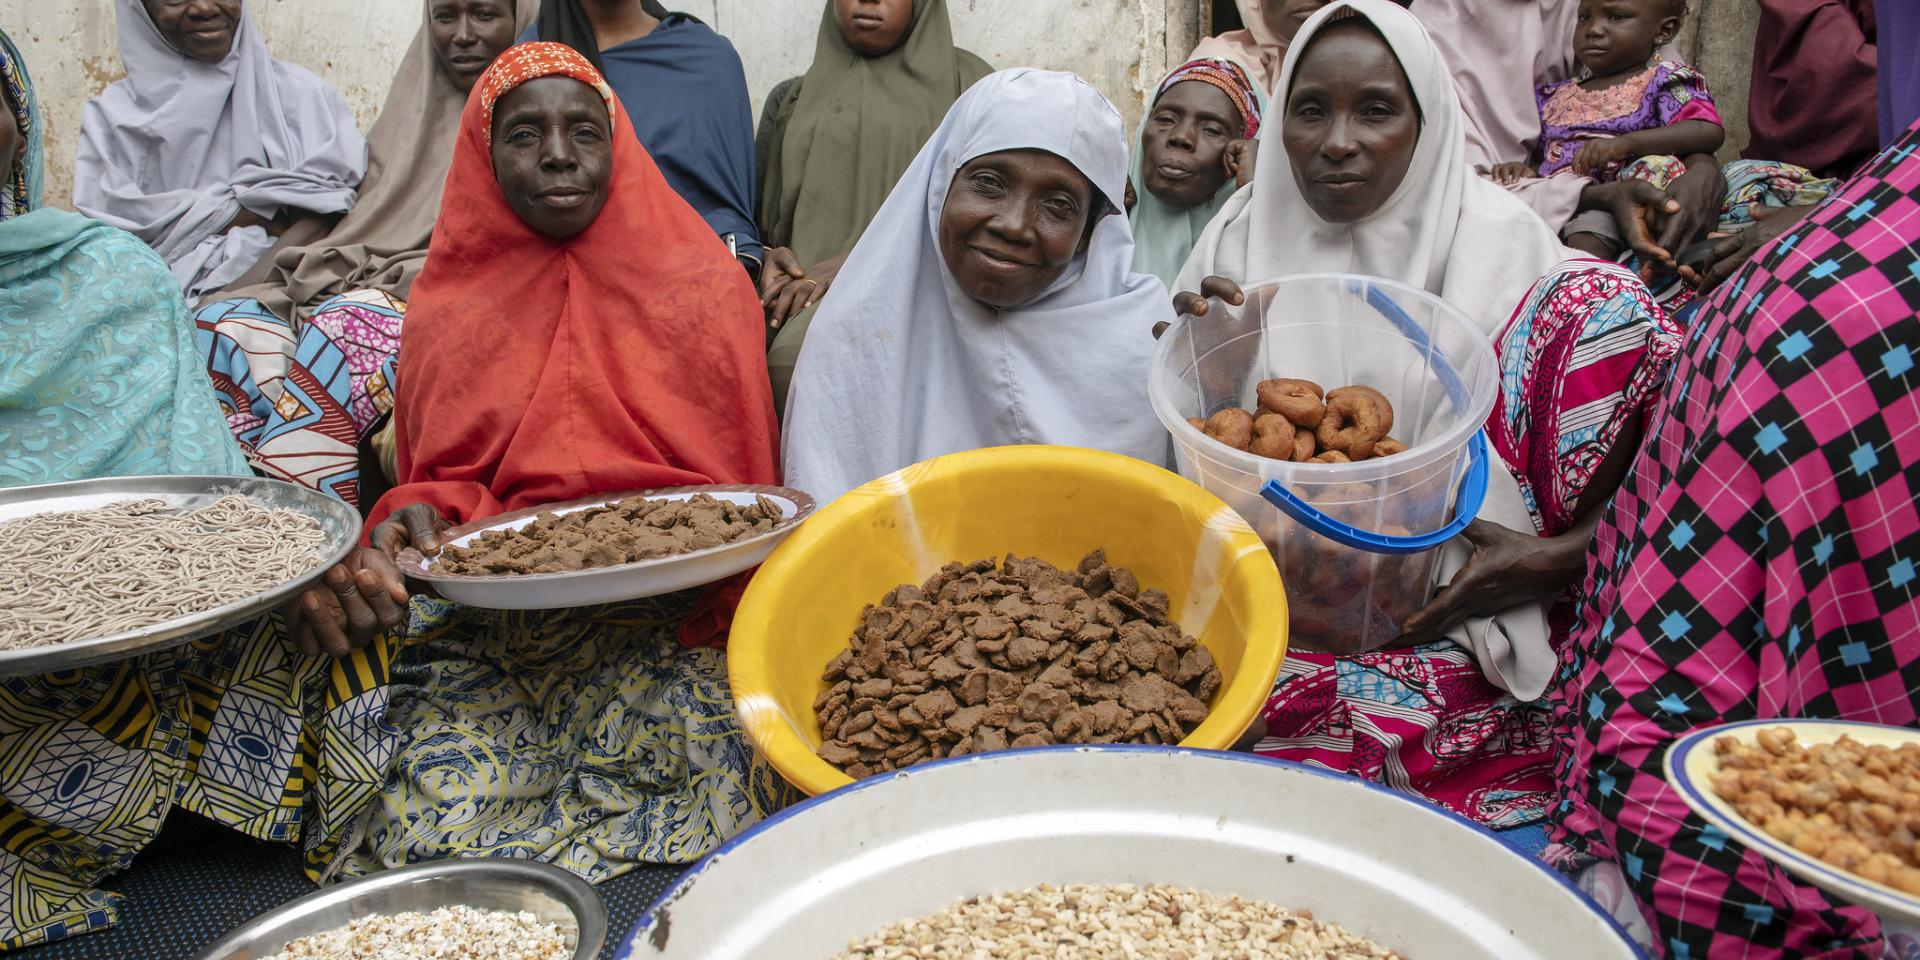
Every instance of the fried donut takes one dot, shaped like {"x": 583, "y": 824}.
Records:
{"x": 1332, "y": 456}
{"x": 1379, "y": 399}
{"x": 1232, "y": 426}
{"x": 1387, "y": 447}
{"x": 1304, "y": 445}
{"x": 1352, "y": 427}
{"x": 1302, "y": 402}
{"x": 1198, "y": 424}
{"x": 1273, "y": 437}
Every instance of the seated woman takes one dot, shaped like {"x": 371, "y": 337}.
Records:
{"x": 884, "y": 74}
{"x": 1009, "y": 316}
{"x": 1372, "y": 178}
{"x": 1183, "y": 170}
{"x": 210, "y": 148}
{"x": 594, "y": 738}
{"x": 1761, "y": 567}
{"x": 318, "y": 326}
{"x": 686, "y": 90}
{"x": 100, "y": 377}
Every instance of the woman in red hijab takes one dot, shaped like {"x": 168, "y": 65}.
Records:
{"x": 578, "y": 329}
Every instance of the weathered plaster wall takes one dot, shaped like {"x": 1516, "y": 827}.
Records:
{"x": 1122, "y": 46}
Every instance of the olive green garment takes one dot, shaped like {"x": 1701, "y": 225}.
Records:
{"x": 849, "y": 128}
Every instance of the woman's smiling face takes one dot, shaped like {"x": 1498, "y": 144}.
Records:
{"x": 1012, "y": 222}
{"x": 1351, "y": 124}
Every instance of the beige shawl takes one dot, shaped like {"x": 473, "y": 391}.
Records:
{"x": 382, "y": 242}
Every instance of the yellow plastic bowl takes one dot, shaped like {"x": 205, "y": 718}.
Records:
{"x": 1055, "y": 503}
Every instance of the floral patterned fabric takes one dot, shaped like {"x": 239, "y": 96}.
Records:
{"x": 1664, "y": 94}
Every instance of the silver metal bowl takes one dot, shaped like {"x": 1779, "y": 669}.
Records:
{"x": 340, "y": 523}
{"x": 548, "y": 892}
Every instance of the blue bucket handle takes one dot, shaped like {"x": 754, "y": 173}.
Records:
{"x": 1473, "y": 496}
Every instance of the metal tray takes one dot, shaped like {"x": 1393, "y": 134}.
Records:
{"x": 548, "y": 892}
{"x": 628, "y": 581}
{"x": 907, "y": 844}
{"x": 340, "y": 522}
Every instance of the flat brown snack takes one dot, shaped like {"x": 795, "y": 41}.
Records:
{"x": 987, "y": 656}
{"x": 624, "y": 531}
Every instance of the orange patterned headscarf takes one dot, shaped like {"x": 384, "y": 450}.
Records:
{"x": 531, "y": 61}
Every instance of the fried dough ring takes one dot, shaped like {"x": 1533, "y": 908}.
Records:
{"x": 1302, "y": 402}
{"x": 1331, "y": 456}
{"x": 1304, "y": 446}
{"x": 1379, "y": 399}
{"x": 1387, "y": 447}
{"x": 1232, "y": 426}
{"x": 1273, "y": 437}
{"x": 1352, "y": 427}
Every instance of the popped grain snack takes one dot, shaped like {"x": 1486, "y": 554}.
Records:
{"x": 1852, "y": 805}
{"x": 987, "y": 656}
{"x": 624, "y": 531}
{"x": 1115, "y": 922}
{"x": 457, "y": 931}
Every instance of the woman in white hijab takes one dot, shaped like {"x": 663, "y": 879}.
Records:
{"x": 1367, "y": 172}
{"x": 210, "y": 148}
{"x": 991, "y": 300}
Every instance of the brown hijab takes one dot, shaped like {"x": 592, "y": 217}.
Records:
{"x": 382, "y": 242}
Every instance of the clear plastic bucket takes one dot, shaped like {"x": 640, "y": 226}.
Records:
{"x": 1357, "y": 543}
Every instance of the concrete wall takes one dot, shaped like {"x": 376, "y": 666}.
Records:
{"x": 1718, "y": 39}
{"x": 1122, "y": 46}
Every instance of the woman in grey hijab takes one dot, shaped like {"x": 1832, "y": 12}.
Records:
{"x": 210, "y": 148}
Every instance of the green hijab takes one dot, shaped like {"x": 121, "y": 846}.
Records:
{"x": 851, "y": 126}
{"x": 1163, "y": 233}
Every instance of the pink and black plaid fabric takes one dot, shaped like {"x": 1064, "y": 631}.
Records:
{"x": 1760, "y": 561}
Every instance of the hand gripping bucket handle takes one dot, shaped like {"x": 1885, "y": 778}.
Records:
{"x": 1473, "y": 487}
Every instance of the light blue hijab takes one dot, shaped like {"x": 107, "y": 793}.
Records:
{"x": 99, "y": 376}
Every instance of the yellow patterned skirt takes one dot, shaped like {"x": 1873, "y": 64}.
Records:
{"x": 235, "y": 727}
{"x": 586, "y": 738}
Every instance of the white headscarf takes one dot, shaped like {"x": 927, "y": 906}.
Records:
{"x": 1445, "y": 230}
{"x": 172, "y": 153}
{"x": 902, "y": 365}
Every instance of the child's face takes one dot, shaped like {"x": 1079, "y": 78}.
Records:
{"x": 1186, "y": 135}
{"x": 1614, "y": 36}
{"x": 873, "y": 27}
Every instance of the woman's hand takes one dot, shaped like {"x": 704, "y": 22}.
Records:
{"x": 1507, "y": 569}
{"x": 1508, "y": 174}
{"x": 1728, "y": 255}
{"x": 787, "y": 288}
{"x": 1700, "y": 193}
{"x": 1634, "y": 204}
{"x": 1240, "y": 157}
{"x": 1196, "y": 303}
{"x": 1595, "y": 157}
{"x": 365, "y": 594}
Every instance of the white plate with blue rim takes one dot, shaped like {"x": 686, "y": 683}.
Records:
{"x": 1384, "y": 865}
{"x": 1694, "y": 759}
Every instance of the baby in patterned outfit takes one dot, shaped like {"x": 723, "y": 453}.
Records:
{"x": 1632, "y": 114}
